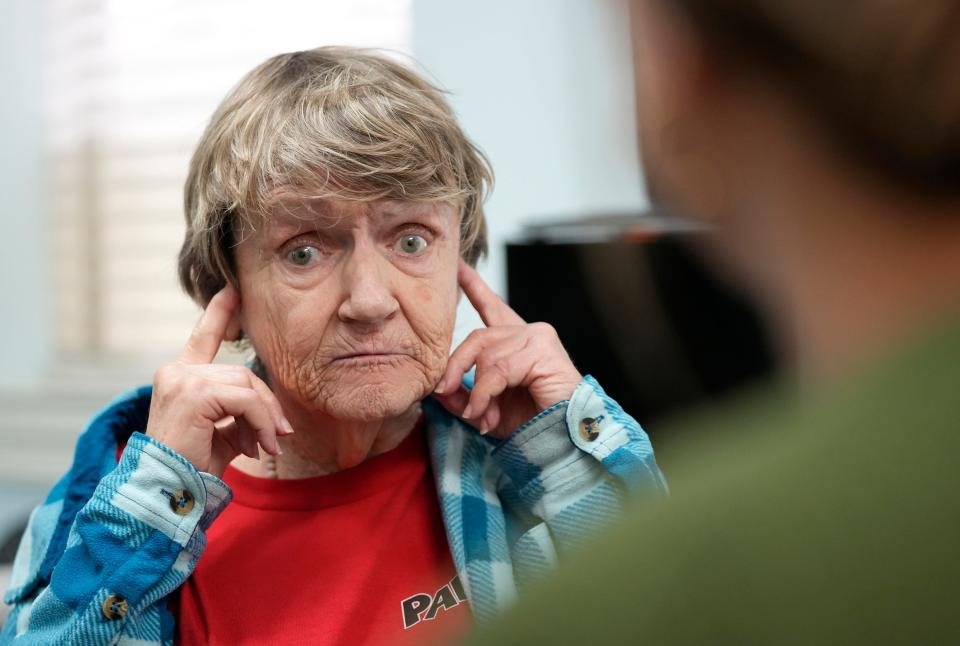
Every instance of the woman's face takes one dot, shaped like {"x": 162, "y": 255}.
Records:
{"x": 351, "y": 305}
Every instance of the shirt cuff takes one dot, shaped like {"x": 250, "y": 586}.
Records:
{"x": 549, "y": 454}
{"x": 563, "y": 446}
{"x": 599, "y": 427}
{"x": 596, "y": 423}
{"x": 161, "y": 488}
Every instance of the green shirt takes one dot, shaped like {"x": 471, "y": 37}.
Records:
{"x": 832, "y": 522}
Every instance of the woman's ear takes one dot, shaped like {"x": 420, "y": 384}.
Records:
{"x": 234, "y": 329}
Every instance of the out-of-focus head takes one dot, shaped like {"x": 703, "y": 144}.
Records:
{"x": 335, "y": 188}
{"x": 807, "y": 130}
{"x": 878, "y": 79}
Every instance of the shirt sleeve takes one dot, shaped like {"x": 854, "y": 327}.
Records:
{"x": 134, "y": 542}
{"x": 568, "y": 469}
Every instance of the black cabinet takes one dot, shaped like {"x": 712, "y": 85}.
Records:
{"x": 637, "y": 307}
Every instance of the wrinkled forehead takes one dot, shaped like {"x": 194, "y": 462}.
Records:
{"x": 287, "y": 215}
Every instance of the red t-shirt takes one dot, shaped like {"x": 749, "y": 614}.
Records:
{"x": 356, "y": 557}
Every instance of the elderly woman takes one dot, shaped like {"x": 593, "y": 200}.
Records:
{"x": 334, "y": 212}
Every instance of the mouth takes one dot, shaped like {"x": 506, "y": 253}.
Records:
{"x": 369, "y": 357}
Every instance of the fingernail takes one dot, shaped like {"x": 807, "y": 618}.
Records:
{"x": 439, "y": 389}
{"x": 467, "y": 412}
{"x": 279, "y": 451}
{"x": 287, "y": 428}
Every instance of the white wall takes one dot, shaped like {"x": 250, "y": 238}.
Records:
{"x": 545, "y": 88}
{"x": 26, "y": 251}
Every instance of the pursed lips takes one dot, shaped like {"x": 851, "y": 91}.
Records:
{"x": 369, "y": 356}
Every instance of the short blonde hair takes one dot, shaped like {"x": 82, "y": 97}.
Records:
{"x": 329, "y": 122}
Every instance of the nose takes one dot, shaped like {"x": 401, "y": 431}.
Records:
{"x": 368, "y": 295}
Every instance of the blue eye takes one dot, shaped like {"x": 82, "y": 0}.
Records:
{"x": 303, "y": 256}
{"x": 412, "y": 245}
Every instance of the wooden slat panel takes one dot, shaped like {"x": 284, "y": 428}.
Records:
{"x": 130, "y": 86}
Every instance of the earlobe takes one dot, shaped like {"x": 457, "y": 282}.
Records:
{"x": 234, "y": 331}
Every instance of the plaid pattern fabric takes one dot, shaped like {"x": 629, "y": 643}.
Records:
{"x": 108, "y": 535}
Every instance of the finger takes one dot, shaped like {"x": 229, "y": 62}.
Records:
{"x": 224, "y": 449}
{"x": 467, "y": 352}
{"x": 228, "y": 431}
{"x": 244, "y": 377}
{"x": 247, "y": 439}
{"x": 225, "y": 424}
{"x": 204, "y": 341}
{"x": 491, "y": 417}
{"x": 492, "y": 309}
{"x": 491, "y": 381}
{"x": 456, "y": 401}
{"x": 246, "y": 403}
{"x": 496, "y": 373}
{"x": 267, "y": 438}
{"x": 283, "y": 424}
{"x": 221, "y": 373}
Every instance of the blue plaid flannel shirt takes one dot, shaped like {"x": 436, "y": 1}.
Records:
{"x": 105, "y": 550}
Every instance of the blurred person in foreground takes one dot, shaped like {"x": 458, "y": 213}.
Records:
{"x": 334, "y": 211}
{"x": 822, "y": 139}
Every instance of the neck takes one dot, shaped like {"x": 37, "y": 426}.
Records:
{"x": 323, "y": 445}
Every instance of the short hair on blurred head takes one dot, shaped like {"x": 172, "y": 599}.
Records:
{"x": 884, "y": 75}
{"x": 331, "y": 122}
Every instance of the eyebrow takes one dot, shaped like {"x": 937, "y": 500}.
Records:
{"x": 289, "y": 215}
{"x": 298, "y": 215}
{"x": 396, "y": 209}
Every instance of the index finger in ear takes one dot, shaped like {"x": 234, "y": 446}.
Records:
{"x": 204, "y": 341}
{"x": 492, "y": 309}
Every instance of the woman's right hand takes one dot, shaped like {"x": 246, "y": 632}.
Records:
{"x": 209, "y": 413}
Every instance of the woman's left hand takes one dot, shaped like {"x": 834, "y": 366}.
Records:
{"x": 522, "y": 368}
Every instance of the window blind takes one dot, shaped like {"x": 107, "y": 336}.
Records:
{"x": 129, "y": 87}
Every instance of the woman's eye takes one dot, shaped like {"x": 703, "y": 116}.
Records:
{"x": 412, "y": 245}
{"x": 302, "y": 256}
